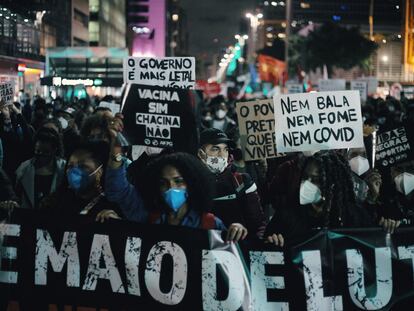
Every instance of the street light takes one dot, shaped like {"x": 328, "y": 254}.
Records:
{"x": 175, "y": 17}
{"x": 237, "y": 37}
{"x": 384, "y": 58}
{"x": 245, "y": 37}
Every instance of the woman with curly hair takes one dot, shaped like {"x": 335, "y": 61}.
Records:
{"x": 174, "y": 189}
{"x": 325, "y": 198}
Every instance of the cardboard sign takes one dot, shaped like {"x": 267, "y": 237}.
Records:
{"x": 294, "y": 88}
{"x": 115, "y": 108}
{"x": 158, "y": 117}
{"x": 177, "y": 72}
{"x": 332, "y": 85}
{"x": 318, "y": 121}
{"x": 393, "y": 147}
{"x": 6, "y": 93}
{"x": 257, "y": 129}
{"x": 360, "y": 86}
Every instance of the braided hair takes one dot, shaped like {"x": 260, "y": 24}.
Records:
{"x": 336, "y": 186}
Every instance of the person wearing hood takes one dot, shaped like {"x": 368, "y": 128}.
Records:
{"x": 236, "y": 198}
{"x": 42, "y": 174}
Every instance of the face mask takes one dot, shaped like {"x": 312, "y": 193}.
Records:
{"x": 404, "y": 183}
{"x": 359, "y": 165}
{"x": 78, "y": 179}
{"x": 63, "y": 122}
{"x": 309, "y": 193}
{"x": 175, "y": 198}
{"x": 220, "y": 113}
{"x": 216, "y": 164}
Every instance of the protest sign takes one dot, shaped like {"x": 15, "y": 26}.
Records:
{"x": 372, "y": 84}
{"x": 360, "y": 86}
{"x": 115, "y": 108}
{"x": 177, "y": 72}
{"x": 121, "y": 265}
{"x": 6, "y": 93}
{"x": 318, "y": 121}
{"x": 393, "y": 146}
{"x": 294, "y": 88}
{"x": 326, "y": 85}
{"x": 158, "y": 117}
{"x": 257, "y": 129}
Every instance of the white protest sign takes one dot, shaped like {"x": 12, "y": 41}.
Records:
{"x": 332, "y": 85}
{"x": 318, "y": 121}
{"x": 360, "y": 86}
{"x": 294, "y": 88}
{"x": 115, "y": 108}
{"x": 257, "y": 129}
{"x": 6, "y": 93}
{"x": 372, "y": 84}
{"x": 178, "y": 72}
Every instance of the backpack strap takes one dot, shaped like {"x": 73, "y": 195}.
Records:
{"x": 153, "y": 217}
{"x": 208, "y": 221}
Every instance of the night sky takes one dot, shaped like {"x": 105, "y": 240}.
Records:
{"x": 210, "y": 19}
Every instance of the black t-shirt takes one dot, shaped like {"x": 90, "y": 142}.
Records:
{"x": 42, "y": 185}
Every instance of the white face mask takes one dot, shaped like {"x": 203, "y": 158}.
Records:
{"x": 216, "y": 164}
{"x": 404, "y": 183}
{"x": 220, "y": 113}
{"x": 63, "y": 122}
{"x": 359, "y": 165}
{"x": 309, "y": 193}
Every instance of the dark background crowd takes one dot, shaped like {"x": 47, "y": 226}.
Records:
{"x": 72, "y": 158}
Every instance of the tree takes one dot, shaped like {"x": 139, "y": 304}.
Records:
{"x": 330, "y": 45}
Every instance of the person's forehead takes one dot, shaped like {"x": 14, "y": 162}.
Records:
{"x": 170, "y": 171}
{"x": 221, "y": 146}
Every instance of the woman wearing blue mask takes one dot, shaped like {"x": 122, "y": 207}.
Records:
{"x": 175, "y": 189}
{"x": 325, "y": 198}
{"x": 82, "y": 192}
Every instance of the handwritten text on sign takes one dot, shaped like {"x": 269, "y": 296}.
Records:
{"x": 257, "y": 129}
{"x": 6, "y": 93}
{"x": 318, "y": 121}
{"x": 168, "y": 71}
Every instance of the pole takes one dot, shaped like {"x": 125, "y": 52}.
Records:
{"x": 288, "y": 25}
{"x": 371, "y": 20}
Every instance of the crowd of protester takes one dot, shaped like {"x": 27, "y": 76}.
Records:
{"x": 72, "y": 159}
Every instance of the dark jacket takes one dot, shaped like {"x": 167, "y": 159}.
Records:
{"x": 237, "y": 201}
{"x": 6, "y": 188}
{"x": 17, "y": 141}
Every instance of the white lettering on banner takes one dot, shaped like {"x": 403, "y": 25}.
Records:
{"x": 392, "y": 147}
{"x": 132, "y": 256}
{"x": 312, "y": 272}
{"x": 356, "y": 279}
{"x": 230, "y": 266}
{"x": 168, "y": 71}
{"x": 153, "y": 273}
{"x": 101, "y": 248}
{"x": 158, "y": 119}
{"x": 8, "y": 252}
{"x": 318, "y": 121}
{"x": 260, "y": 282}
{"x": 45, "y": 251}
{"x": 158, "y": 95}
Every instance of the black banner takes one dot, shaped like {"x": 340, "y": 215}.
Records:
{"x": 159, "y": 117}
{"x": 121, "y": 265}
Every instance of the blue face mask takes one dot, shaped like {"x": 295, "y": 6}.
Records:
{"x": 175, "y": 198}
{"x": 78, "y": 179}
